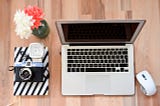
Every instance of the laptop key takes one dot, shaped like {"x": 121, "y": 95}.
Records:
{"x": 112, "y": 65}
{"x": 76, "y": 53}
{"x": 123, "y": 65}
{"x": 123, "y": 61}
{"x": 118, "y": 70}
{"x": 82, "y": 70}
{"x": 121, "y": 57}
{"x": 125, "y": 52}
{"x": 119, "y": 52}
{"x": 118, "y": 61}
{"x": 95, "y": 69}
{"x": 76, "y": 61}
{"x": 113, "y": 57}
{"x": 126, "y": 70}
{"x": 126, "y": 60}
{"x": 70, "y": 61}
{"x": 69, "y": 69}
{"x": 69, "y": 57}
{"x": 68, "y": 49}
{"x": 72, "y": 70}
{"x": 69, "y": 65}
{"x": 78, "y": 65}
{"x": 74, "y": 65}
{"x": 87, "y": 65}
{"x": 94, "y": 65}
{"x": 113, "y": 69}
{"x": 79, "y": 57}
{"x": 108, "y": 69}
{"x": 68, "y": 53}
{"x": 96, "y": 57}
{"x": 116, "y": 65}
{"x": 122, "y": 69}
{"x": 126, "y": 56}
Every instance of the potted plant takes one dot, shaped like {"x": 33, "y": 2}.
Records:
{"x": 31, "y": 21}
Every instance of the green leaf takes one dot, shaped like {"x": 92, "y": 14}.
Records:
{"x": 42, "y": 30}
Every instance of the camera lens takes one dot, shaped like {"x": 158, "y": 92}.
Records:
{"x": 25, "y": 73}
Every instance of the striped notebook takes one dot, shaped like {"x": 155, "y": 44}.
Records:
{"x": 31, "y": 88}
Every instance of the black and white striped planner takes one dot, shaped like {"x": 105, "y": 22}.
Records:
{"x": 31, "y": 88}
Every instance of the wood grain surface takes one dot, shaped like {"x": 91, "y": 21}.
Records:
{"x": 147, "y": 48}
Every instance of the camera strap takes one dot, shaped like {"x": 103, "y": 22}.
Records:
{"x": 46, "y": 76}
{"x": 10, "y": 68}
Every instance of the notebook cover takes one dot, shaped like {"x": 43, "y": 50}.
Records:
{"x": 31, "y": 88}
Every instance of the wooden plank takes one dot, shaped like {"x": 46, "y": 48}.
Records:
{"x": 147, "y": 48}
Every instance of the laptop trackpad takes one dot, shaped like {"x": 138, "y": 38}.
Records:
{"x": 97, "y": 84}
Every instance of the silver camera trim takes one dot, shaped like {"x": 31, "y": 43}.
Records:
{"x": 25, "y": 69}
{"x": 32, "y": 64}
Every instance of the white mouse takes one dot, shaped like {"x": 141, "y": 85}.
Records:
{"x": 148, "y": 86}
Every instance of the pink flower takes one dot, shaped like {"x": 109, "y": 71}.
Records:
{"x": 37, "y": 15}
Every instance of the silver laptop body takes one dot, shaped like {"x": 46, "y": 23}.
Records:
{"x": 90, "y": 56}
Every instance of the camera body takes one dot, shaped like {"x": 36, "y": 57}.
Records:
{"x": 28, "y": 71}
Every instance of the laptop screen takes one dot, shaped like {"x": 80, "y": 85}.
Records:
{"x": 116, "y": 32}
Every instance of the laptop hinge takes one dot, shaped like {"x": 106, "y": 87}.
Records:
{"x": 100, "y": 44}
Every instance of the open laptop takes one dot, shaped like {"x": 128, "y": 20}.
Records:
{"x": 98, "y": 56}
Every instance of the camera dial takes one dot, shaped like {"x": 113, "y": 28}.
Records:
{"x": 25, "y": 74}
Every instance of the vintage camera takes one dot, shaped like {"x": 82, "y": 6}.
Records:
{"x": 29, "y": 71}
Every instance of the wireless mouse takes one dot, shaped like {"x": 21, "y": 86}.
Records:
{"x": 148, "y": 86}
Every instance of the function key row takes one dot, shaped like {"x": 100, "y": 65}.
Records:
{"x": 112, "y": 49}
{"x": 97, "y": 65}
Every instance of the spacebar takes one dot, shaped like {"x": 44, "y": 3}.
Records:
{"x": 95, "y": 69}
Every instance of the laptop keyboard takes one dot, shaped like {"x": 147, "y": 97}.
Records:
{"x": 97, "y": 60}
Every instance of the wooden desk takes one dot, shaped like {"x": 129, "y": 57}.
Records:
{"x": 147, "y": 48}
